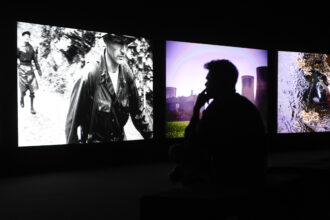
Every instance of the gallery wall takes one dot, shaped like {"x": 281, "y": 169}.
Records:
{"x": 261, "y": 31}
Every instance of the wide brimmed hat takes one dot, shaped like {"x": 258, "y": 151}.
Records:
{"x": 123, "y": 39}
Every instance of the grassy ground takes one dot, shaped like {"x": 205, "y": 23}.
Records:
{"x": 175, "y": 129}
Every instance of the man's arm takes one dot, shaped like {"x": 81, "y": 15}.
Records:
{"x": 36, "y": 63}
{"x": 202, "y": 98}
{"x": 78, "y": 117}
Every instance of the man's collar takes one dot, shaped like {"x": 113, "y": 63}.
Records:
{"x": 104, "y": 72}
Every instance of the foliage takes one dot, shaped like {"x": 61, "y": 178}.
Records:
{"x": 64, "y": 52}
{"x": 139, "y": 57}
{"x": 61, "y": 47}
{"x": 310, "y": 62}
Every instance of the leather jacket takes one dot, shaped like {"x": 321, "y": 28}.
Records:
{"x": 102, "y": 113}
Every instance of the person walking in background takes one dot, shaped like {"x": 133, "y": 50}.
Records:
{"x": 27, "y": 80}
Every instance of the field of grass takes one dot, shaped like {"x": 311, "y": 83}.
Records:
{"x": 175, "y": 129}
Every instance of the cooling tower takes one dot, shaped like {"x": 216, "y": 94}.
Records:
{"x": 248, "y": 87}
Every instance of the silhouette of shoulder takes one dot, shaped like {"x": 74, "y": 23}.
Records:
{"x": 231, "y": 115}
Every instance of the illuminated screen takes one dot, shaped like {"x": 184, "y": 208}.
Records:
{"x": 186, "y": 77}
{"x": 79, "y": 86}
{"x": 303, "y": 92}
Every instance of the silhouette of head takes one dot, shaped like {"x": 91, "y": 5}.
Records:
{"x": 221, "y": 78}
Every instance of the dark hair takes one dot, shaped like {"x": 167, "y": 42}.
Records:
{"x": 223, "y": 70}
{"x": 26, "y": 32}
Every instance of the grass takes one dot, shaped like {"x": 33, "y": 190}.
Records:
{"x": 175, "y": 129}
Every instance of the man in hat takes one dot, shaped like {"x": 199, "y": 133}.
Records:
{"x": 27, "y": 80}
{"x": 104, "y": 97}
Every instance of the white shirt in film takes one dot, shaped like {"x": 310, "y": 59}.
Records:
{"x": 114, "y": 79}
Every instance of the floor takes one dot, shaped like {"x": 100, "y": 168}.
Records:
{"x": 115, "y": 192}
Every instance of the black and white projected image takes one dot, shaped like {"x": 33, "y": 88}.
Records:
{"x": 79, "y": 86}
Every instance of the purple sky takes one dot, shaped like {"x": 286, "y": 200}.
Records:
{"x": 185, "y": 64}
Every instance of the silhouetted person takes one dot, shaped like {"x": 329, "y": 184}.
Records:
{"x": 224, "y": 146}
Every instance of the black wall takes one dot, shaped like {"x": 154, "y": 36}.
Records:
{"x": 255, "y": 29}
